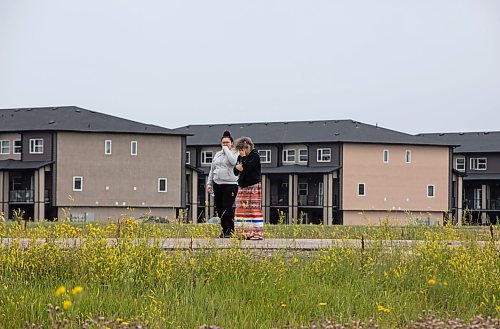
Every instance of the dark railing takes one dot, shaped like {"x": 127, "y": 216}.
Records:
{"x": 22, "y": 196}
{"x": 476, "y": 204}
{"x": 279, "y": 200}
{"x": 310, "y": 200}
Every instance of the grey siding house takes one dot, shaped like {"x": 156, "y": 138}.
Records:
{"x": 476, "y": 162}
{"x": 71, "y": 162}
{"x": 331, "y": 172}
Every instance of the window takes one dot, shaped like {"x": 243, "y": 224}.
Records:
{"x": 386, "y": 156}
{"x": 265, "y": 156}
{"x": 18, "y": 147}
{"x": 303, "y": 188}
{"x": 162, "y": 185}
{"x": 288, "y": 155}
{"x": 361, "y": 189}
{"x": 206, "y": 157}
{"x": 133, "y": 148}
{"x": 36, "y": 146}
{"x": 324, "y": 155}
{"x": 188, "y": 157}
{"x": 478, "y": 163}
{"x": 460, "y": 164}
{"x": 4, "y": 147}
{"x": 408, "y": 156}
{"x": 107, "y": 146}
{"x": 303, "y": 155}
{"x": 77, "y": 183}
{"x": 431, "y": 191}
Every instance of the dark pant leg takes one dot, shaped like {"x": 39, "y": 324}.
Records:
{"x": 218, "y": 196}
{"x": 229, "y": 195}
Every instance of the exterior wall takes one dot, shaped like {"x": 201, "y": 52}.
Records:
{"x": 10, "y": 137}
{"x": 119, "y": 180}
{"x": 214, "y": 150}
{"x": 274, "y": 154}
{"x": 193, "y": 154}
{"x": 372, "y": 217}
{"x": 313, "y": 154}
{"x": 107, "y": 214}
{"x": 396, "y": 185}
{"x": 47, "y": 154}
{"x": 493, "y": 162}
{"x": 295, "y": 147}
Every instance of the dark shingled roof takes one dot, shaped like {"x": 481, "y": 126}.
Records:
{"x": 476, "y": 142}
{"x": 18, "y": 164}
{"x": 72, "y": 118}
{"x": 347, "y": 131}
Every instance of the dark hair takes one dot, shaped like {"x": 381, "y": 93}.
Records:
{"x": 227, "y": 134}
{"x": 244, "y": 143}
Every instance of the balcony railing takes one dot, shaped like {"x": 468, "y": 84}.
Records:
{"x": 476, "y": 204}
{"x": 22, "y": 196}
{"x": 279, "y": 200}
{"x": 310, "y": 200}
{"x": 26, "y": 196}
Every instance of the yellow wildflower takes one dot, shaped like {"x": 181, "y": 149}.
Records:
{"x": 60, "y": 291}
{"x": 67, "y": 304}
{"x": 76, "y": 290}
{"x": 431, "y": 282}
{"x": 322, "y": 304}
{"x": 283, "y": 304}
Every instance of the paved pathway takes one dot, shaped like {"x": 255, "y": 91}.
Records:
{"x": 204, "y": 243}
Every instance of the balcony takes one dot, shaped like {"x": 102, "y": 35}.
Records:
{"x": 26, "y": 196}
{"x": 22, "y": 196}
{"x": 476, "y": 204}
{"x": 310, "y": 200}
{"x": 279, "y": 200}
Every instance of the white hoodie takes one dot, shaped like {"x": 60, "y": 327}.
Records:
{"x": 221, "y": 171}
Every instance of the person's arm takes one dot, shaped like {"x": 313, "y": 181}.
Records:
{"x": 235, "y": 169}
{"x": 210, "y": 179}
{"x": 232, "y": 156}
{"x": 252, "y": 161}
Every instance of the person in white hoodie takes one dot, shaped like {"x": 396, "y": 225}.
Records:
{"x": 223, "y": 183}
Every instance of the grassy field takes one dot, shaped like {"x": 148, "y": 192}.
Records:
{"x": 136, "y": 284}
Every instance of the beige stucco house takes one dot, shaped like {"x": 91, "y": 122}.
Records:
{"x": 70, "y": 162}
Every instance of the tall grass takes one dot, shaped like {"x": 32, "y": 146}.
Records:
{"x": 240, "y": 288}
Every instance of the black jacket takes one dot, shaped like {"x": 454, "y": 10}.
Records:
{"x": 251, "y": 169}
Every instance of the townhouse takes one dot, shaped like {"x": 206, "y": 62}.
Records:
{"x": 476, "y": 192}
{"x": 60, "y": 162}
{"x": 331, "y": 172}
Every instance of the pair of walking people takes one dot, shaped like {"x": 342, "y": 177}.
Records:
{"x": 235, "y": 179}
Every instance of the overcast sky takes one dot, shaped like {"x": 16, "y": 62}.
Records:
{"x": 413, "y": 66}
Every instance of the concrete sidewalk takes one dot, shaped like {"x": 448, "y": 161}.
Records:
{"x": 205, "y": 243}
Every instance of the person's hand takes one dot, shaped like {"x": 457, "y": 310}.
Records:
{"x": 225, "y": 148}
{"x": 210, "y": 189}
{"x": 239, "y": 167}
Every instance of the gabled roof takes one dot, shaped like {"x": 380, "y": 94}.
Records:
{"x": 347, "y": 131}
{"x": 18, "y": 164}
{"x": 476, "y": 142}
{"x": 72, "y": 118}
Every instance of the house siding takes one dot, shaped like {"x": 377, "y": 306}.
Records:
{"x": 47, "y": 154}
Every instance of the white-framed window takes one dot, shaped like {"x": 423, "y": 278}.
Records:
{"x": 5, "y": 147}
{"x": 303, "y": 189}
{"x": 324, "y": 155}
{"x": 265, "y": 156}
{"x": 361, "y": 189}
{"x": 133, "y": 148}
{"x": 460, "y": 164}
{"x": 36, "y": 146}
{"x": 288, "y": 155}
{"x": 431, "y": 191}
{"x": 77, "y": 183}
{"x": 18, "y": 147}
{"x": 478, "y": 163}
{"x": 385, "y": 156}
{"x": 303, "y": 155}
{"x": 408, "y": 156}
{"x": 162, "y": 185}
{"x": 206, "y": 157}
{"x": 108, "y": 146}
{"x": 188, "y": 157}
